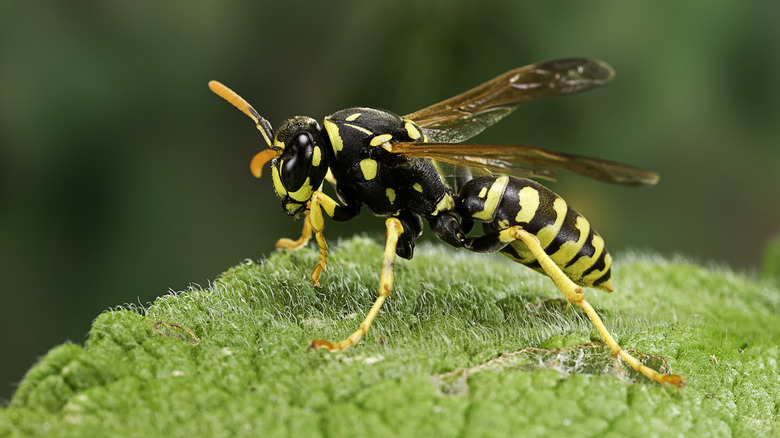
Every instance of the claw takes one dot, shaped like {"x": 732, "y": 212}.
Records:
{"x": 672, "y": 379}
{"x": 322, "y": 344}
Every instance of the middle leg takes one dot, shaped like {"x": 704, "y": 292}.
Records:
{"x": 394, "y": 230}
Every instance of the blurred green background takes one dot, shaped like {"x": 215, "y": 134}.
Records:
{"x": 122, "y": 176}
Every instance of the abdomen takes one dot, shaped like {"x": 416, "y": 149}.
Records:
{"x": 565, "y": 235}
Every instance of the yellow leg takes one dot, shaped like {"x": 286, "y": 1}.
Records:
{"x": 285, "y": 243}
{"x": 574, "y": 294}
{"x": 318, "y": 202}
{"x": 394, "y": 229}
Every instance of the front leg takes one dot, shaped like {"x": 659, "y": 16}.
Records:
{"x": 290, "y": 244}
{"x": 285, "y": 243}
{"x": 321, "y": 202}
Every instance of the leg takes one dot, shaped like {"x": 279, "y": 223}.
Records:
{"x": 412, "y": 227}
{"x": 285, "y": 243}
{"x": 573, "y": 293}
{"x": 394, "y": 230}
{"x": 321, "y": 202}
{"x": 450, "y": 230}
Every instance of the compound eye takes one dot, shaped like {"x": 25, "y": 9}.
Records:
{"x": 296, "y": 161}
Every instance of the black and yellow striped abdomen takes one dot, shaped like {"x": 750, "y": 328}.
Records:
{"x": 565, "y": 235}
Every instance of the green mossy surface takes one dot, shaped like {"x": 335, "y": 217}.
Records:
{"x": 231, "y": 360}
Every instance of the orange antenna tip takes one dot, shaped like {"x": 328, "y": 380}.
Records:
{"x": 244, "y": 106}
{"x": 259, "y": 160}
{"x": 236, "y": 100}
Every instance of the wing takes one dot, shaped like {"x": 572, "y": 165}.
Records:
{"x": 463, "y": 116}
{"x": 525, "y": 161}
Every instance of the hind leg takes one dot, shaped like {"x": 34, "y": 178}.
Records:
{"x": 497, "y": 240}
{"x": 574, "y": 294}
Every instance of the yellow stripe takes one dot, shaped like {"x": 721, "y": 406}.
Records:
{"x": 548, "y": 233}
{"x": 335, "y": 137}
{"x": 278, "y": 186}
{"x": 494, "y": 195}
{"x": 595, "y": 275}
{"x": 359, "y": 128}
{"x": 304, "y": 193}
{"x": 524, "y": 255}
{"x": 417, "y": 187}
{"x": 529, "y": 203}
{"x": 569, "y": 249}
{"x": 575, "y": 271}
{"x": 352, "y": 117}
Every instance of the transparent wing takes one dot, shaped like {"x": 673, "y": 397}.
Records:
{"x": 463, "y": 116}
{"x": 525, "y": 161}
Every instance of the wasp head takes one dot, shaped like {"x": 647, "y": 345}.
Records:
{"x": 300, "y": 166}
{"x": 298, "y": 162}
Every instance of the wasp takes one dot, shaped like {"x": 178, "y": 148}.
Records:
{"x": 417, "y": 168}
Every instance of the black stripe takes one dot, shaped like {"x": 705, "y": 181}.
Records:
{"x": 534, "y": 264}
{"x": 511, "y": 252}
{"x": 545, "y": 214}
{"x": 568, "y": 232}
{"x": 598, "y": 265}
{"x": 587, "y": 249}
{"x": 604, "y": 278}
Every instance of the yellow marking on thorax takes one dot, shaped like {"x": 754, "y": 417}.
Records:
{"x": 369, "y": 168}
{"x": 335, "y": 138}
{"x": 417, "y": 187}
{"x": 494, "y": 195}
{"x": 380, "y": 139}
{"x": 569, "y": 249}
{"x": 548, "y": 233}
{"x": 445, "y": 204}
{"x": 412, "y": 130}
{"x": 359, "y": 128}
{"x": 529, "y": 203}
{"x": 390, "y": 193}
{"x": 352, "y": 117}
{"x": 482, "y": 192}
